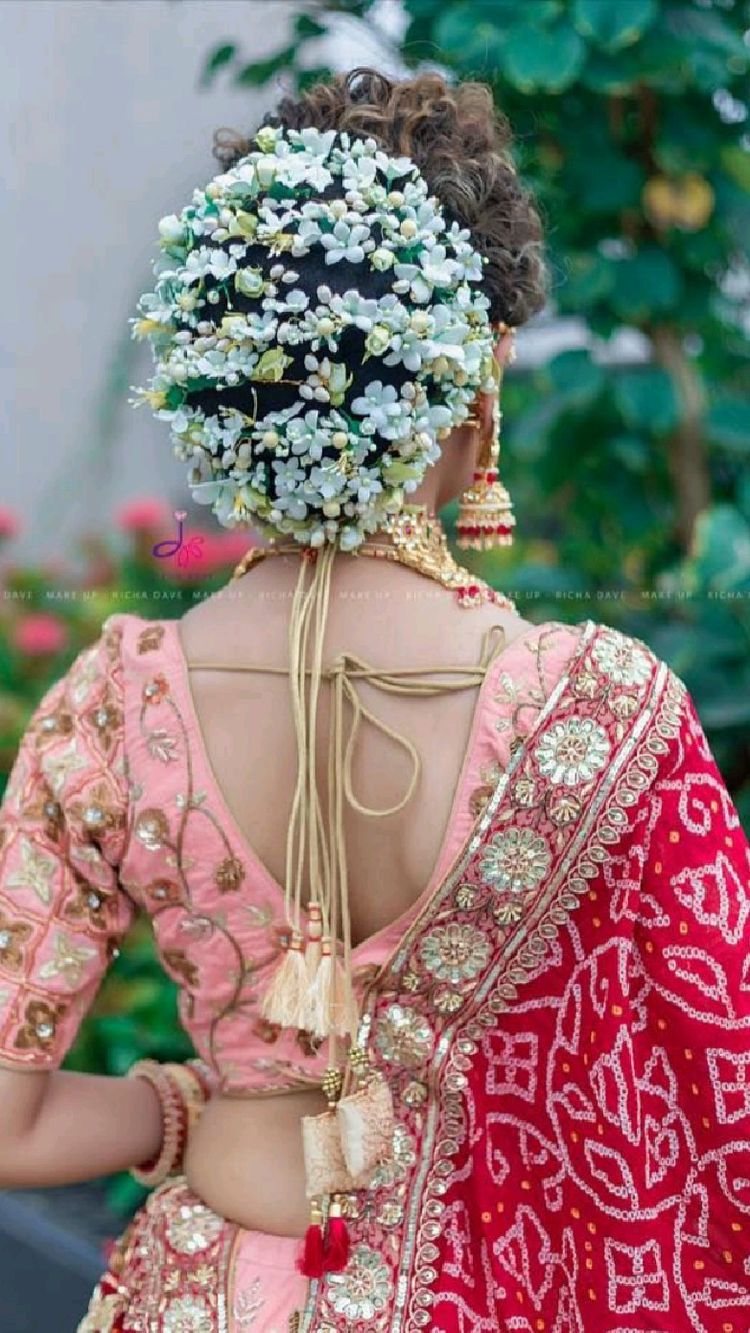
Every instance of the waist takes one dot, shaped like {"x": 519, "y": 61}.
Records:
{"x": 244, "y": 1159}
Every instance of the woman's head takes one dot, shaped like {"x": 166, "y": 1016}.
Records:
{"x": 328, "y": 316}
{"x": 461, "y": 144}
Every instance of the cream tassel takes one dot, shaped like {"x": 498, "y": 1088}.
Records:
{"x": 333, "y": 1008}
{"x": 313, "y": 951}
{"x": 285, "y": 1000}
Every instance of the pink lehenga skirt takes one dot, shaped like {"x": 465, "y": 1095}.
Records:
{"x": 180, "y": 1268}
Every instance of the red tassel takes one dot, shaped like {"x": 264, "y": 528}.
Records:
{"x": 336, "y": 1251}
{"x": 310, "y": 1260}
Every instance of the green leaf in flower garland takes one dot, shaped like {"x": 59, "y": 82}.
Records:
{"x": 613, "y": 24}
{"x": 647, "y": 400}
{"x": 645, "y": 283}
{"x": 174, "y": 397}
{"x": 548, "y": 58}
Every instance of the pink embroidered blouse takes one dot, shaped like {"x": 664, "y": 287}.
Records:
{"x": 112, "y": 806}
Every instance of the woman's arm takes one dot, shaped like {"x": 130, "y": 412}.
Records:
{"x": 63, "y": 912}
{"x": 58, "y": 1128}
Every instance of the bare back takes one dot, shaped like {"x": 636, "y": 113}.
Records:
{"x": 390, "y": 618}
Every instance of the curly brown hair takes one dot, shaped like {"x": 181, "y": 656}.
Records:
{"x": 462, "y": 146}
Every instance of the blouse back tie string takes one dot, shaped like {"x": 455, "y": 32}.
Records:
{"x": 302, "y": 1004}
{"x": 312, "y": 988}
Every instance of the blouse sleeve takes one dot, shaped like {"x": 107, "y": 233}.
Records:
{"x": 693, "y": 940}
{"x": 62, "y": 829}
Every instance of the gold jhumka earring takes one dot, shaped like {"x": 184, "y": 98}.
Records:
{"x": 485, "y": 514}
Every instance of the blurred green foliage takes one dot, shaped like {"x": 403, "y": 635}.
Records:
{"x": 630, "y": 478}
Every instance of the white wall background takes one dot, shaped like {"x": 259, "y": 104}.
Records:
{"x": 106, "y": 130}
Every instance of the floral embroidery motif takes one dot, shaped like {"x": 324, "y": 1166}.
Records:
{"x": 39, "y": 1027}
{"x": 106, "y": 719}
{"x": 69, "y": 961}
{"x": 150, "y": 639}
{"x": 363, "y": 1290}
{"x": 403, "y": 1036}
{"x": 186, "y": 1314}
{"x": 62, "y": 825}
{"x": 13, "y": 934}
{"x": 622, "y": 660}
{"x": 229, "y": 874}
{"x": 193, "y": 1228}
{"x": 572, "y": 752}
{"x": 515, "y": 860}
{"x": 152, "y": 829}
{"x": 454, "y": 953}
{"x": 176, "y": 961}
{"x": 161, "y": 745}
{"x": 35, "y": 872}
{"x": 172, "y": 1259}
{"x": 155, "y": 690}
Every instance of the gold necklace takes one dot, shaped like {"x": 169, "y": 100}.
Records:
{"x": 418, "y": 541}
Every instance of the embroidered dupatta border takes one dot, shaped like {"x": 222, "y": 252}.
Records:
{"x": 631, "y": 767}
{"x": 629, "y": 771}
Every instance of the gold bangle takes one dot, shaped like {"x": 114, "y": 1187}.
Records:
{"x": 174, "y": 1120}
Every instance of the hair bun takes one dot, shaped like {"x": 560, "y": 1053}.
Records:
{"x": 318, "y": 325}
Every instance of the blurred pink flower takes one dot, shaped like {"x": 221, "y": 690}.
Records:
{"x": 10, "y": 523}
{"x": 39, "y": 634}
{"x": 144, "y": 515}
{"x": 206, "y": 553}
{"x": 225, "y": 548}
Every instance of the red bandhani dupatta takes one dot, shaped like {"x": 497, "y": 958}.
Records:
{"x": 566, "y": 1028}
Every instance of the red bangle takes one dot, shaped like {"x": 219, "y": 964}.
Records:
{"x": 205, "y": 1075}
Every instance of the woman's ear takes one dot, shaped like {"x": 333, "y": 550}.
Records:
{"x": 502, "y": 351}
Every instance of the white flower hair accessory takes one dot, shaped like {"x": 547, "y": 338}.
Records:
{"x": 318, "y": 327}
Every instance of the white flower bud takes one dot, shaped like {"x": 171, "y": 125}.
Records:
{"x": 408, "y": 229}
{"x": 396, "y": 198}
{"x": 382, "y": 259}
{"x": 339, "y": 439}
{"x": 270, "y": 439}
{"x": 420, "y": 322}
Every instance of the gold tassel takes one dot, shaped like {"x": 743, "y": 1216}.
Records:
{"x": 285, "y": 1000}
